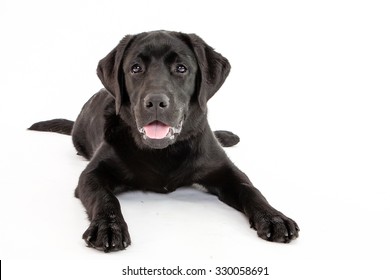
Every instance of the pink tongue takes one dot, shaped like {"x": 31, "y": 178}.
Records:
{"x": 156, "y": 130}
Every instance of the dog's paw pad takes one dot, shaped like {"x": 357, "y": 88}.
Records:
{"x": 107, "y": 234}
{"x": 276, "y": 228}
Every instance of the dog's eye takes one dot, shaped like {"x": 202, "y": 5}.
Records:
{"x": 136, "y": 68}
{"x": 180, "y": 68}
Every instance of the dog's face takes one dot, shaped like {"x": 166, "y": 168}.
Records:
{"x": 161, "y": 82}
{"x": 160, "y": 74}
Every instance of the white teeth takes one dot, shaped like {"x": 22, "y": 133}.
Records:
{"x": 171, "y": 134}
{"x": 176, "y": 130}
{"x": 142, "y": 131}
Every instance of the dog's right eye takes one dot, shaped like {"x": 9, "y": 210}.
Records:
{"x": 136, "y": 68}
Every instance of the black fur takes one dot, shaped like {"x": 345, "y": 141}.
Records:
{"x": 166, "y": 77}
{"x": 57, "y": 125}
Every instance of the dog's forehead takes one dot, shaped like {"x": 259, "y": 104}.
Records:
{"x": 158, "y": 44}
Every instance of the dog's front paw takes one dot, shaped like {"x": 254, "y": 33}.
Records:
{"x": 275, "y": 227}
{"x": 107, "y": 234}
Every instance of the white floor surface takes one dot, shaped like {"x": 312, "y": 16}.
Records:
{"x": 309, "y": 95}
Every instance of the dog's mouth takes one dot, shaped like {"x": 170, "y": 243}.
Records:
{"x": 157, "y": 130}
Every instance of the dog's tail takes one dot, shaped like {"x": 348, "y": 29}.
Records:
{"x": 57, "y": 125}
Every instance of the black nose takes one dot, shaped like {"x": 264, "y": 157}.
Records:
{"x": 156, "y": 102}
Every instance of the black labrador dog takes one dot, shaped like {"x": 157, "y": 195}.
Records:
{"x": 147, "y": 130}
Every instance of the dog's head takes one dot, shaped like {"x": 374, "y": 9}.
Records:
{"x": 161, "y": 82}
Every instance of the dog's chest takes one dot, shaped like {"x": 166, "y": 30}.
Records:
{"x": 162, "y": 177}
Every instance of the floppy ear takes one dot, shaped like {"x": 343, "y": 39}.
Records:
{"x": 214, "y": 69}
{"x": 110, "y": 72}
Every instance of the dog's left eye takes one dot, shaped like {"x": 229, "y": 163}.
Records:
{"x": 136, "y": 68}
{"x": 180, "y": 68}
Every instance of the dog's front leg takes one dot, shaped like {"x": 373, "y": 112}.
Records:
{"x": 108, "y": 230}
{"x": 235, "y": 189}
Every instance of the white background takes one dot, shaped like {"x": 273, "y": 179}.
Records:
{"x": 309, "y": 95}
